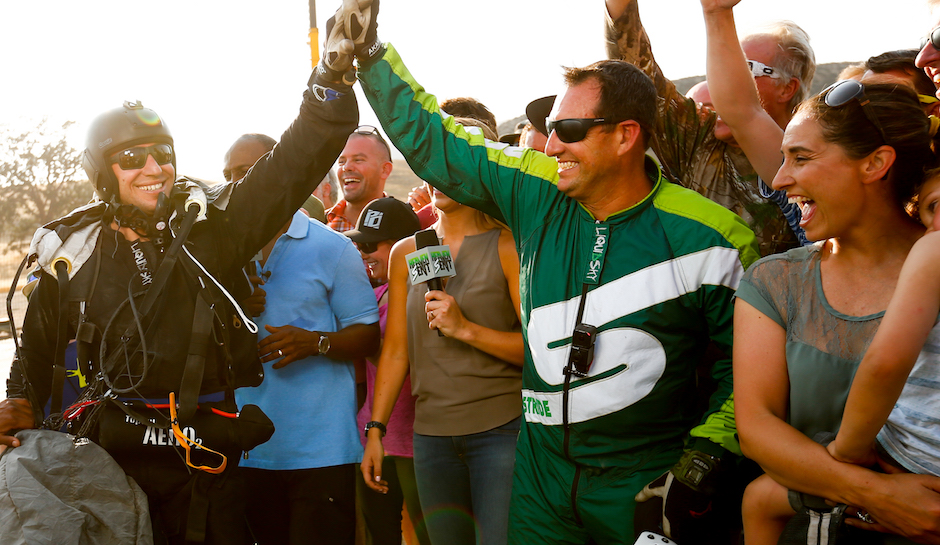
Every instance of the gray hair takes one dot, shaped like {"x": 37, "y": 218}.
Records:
{"x": 795, "y": 57}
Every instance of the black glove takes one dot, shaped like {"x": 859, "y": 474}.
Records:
{"x": 688, "y": 493}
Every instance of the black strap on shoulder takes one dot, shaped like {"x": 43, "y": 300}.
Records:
{"x": 58, "y": 363}
{"x": 159, "y": 280}
{"x": 86, "y": 333}
{"x": 165, "y": 268}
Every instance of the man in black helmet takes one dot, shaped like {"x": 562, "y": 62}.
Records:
{"x": 145, "y": 280}
{"x": 130, "y": 137}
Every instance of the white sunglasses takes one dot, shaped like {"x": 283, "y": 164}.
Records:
{"x": 759, "y": 69}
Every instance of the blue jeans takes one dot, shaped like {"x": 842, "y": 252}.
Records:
{"x": 464, "y": 484}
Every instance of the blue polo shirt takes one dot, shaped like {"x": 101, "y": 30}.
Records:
{"x": 317, "y": 282}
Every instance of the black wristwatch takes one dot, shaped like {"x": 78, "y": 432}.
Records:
{"x": 694, "y": 467}
{"x": 374, "y": 424}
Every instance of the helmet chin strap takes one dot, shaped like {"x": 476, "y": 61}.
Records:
{"x": 153, "y": 227}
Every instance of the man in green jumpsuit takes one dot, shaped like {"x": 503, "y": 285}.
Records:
{"x": 645, "y": 267}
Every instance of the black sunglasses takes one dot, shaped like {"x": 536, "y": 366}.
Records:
{"x": 574, "y": 130}
{"x": 842, "y": 92}
{"x": 933, "y": 38}
{"x": 367, "y": 247}
{"x": 134, "y": 158}
{"x": 369, "y": 130}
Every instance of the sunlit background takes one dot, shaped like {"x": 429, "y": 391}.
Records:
{"x": 217, "y": 69}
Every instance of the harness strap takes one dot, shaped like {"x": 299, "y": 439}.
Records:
{"x": 216, "y": 305}
{"x": 198, "y": 514}
{"x": 86, "y": 333}
{"x": 159, "y": 281}
{"x": 58, "y": 362}
{"x": 163, "y": 272}
{"x": 196, "y": 361}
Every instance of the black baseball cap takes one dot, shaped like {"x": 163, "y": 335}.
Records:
{"x": 511, "y": 138}
{"x": 385, "y": 219}
{"x": 538, "y": 110}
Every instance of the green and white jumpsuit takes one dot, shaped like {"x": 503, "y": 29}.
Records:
{"x": 660, "y": 278}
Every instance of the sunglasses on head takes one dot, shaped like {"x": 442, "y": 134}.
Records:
{"x": 842, "y": 92}
{"x": 759, "y": 69}
{"x": 933, "y": 39}
{"x": 135, "y": 158}
{"x": 367, "y": 247}
{"x": 369, "y": 130}
{"x": 575, "y": 129}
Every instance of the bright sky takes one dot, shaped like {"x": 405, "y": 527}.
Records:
{"x": 215, "y": 69}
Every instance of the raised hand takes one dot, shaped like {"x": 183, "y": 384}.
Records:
{"x": 334, "y": 75}
{"x": 418, "y": 197}
{"x": 718, "y": 5}
{"x": 337, "y": 47}
{"x": 357, "y": 20}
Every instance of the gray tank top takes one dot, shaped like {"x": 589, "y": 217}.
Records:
{"x": 462, "y": 390}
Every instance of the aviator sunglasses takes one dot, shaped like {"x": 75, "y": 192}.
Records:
{"x": 842, "y": 92}
{"x": 933, "y": 39}
{"x": 135, "y": 158}
{"x": 575, "y": 129}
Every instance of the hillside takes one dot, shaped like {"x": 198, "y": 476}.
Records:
{"x": 401, "y": 180}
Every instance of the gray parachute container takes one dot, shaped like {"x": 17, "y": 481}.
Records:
{"x": 54, "y": 492}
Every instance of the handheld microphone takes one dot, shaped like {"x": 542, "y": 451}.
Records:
{"x": 430, "y": 262}
{"x": 424, "y": 239}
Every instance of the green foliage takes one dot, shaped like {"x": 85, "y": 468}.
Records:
{"x": 41, "y": 178}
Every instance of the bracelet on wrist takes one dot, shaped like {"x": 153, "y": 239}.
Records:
{"x": 375, "y": 424}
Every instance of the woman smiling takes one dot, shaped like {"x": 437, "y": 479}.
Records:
{"x": 853, "y": 156}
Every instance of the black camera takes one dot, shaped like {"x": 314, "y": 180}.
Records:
{"x": 582, "y": 350}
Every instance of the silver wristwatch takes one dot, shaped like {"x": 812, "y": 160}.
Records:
{"x": 324, "y": 345}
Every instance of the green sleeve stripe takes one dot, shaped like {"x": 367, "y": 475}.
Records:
{"x": 427, "y": 101}
{"x": 719, "y": 427}
{"x": 686, "y": 203}
{"x": 529, "y": 162}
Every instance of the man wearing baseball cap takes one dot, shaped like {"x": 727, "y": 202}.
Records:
{"x": 382, "y": 223}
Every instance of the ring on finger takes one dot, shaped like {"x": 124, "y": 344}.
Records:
{"x": 864, "y": 516}
{"x": 280, "y": 353}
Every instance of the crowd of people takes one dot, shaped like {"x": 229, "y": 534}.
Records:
{"x": 709, "y": 318}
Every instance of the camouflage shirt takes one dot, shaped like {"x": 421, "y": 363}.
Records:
{"x": 685, "y": 143}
